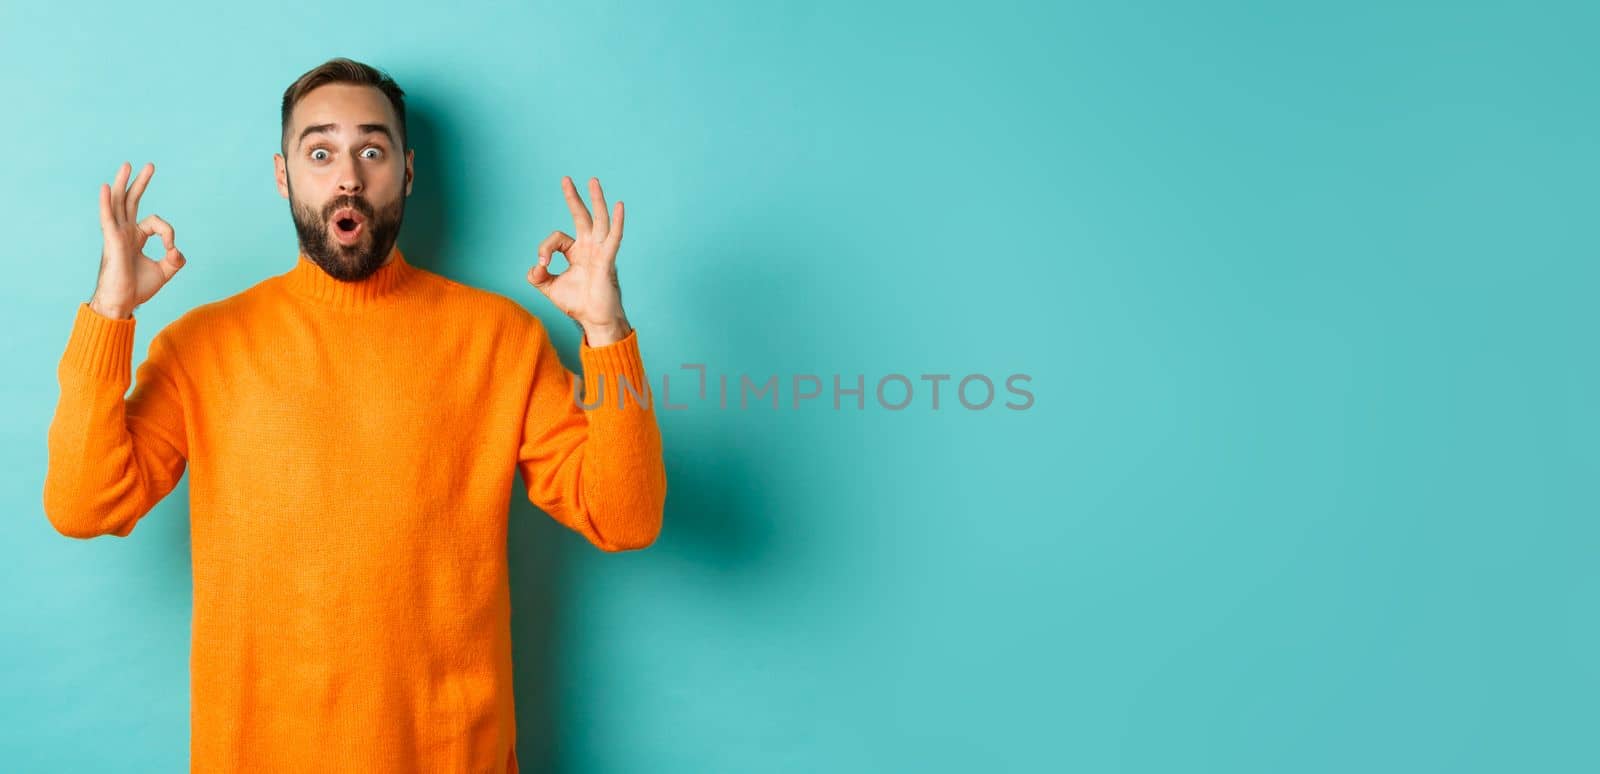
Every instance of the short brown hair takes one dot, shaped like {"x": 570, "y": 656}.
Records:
{"x": 342, "y": 70}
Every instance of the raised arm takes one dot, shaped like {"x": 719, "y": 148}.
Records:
{"x": 598, "y": 470}
{"x": 596, "y": 467}
{"x": 112, "y": 458}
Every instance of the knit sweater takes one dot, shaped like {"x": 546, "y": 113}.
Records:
{"x": 351, "y": 450}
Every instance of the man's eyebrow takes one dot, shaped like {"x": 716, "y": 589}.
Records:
{"x": 382, "y": 129}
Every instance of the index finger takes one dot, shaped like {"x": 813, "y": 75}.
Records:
{"x": 580, "y": 213}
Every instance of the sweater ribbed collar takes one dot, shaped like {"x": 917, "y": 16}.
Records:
{"x": 307, "y": 279}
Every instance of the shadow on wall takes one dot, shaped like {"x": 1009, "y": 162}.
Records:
{"x": 427, "y": 233}
{"x": 718, "y": 512}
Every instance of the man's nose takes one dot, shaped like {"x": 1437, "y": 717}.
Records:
{"x": 350, "y": 179}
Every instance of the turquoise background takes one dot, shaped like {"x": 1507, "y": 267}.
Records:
{"x": 1306, "y": 295}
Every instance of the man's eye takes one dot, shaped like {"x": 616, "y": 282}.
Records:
{"x": 374, "y": 150}
{"x": 315, "y": 152}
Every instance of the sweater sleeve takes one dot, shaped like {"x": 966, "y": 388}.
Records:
{"x": 111, "y": 459}
{"x": 598, "y": 470}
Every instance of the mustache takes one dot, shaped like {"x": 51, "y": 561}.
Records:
{"x": 354, "y": 203}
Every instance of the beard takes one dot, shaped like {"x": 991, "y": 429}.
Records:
{"x": 353, "y": 262}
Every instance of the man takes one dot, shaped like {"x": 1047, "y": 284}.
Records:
{"x": 352, "y": 428}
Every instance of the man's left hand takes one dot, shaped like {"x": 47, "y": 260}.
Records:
{"x": 587, "y": 291}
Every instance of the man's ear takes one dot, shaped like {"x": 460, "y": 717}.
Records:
{"x": 281, "y": 172}
{"x": 411, "y": 157}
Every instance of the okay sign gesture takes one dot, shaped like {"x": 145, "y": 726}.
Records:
{"x": 127, "y": 277}
{"x": 587, "y": 291}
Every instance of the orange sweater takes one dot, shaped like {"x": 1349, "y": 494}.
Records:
{"x": 351, "y": 451}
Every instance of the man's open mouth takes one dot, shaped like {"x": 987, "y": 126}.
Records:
{"x": 347, "y": 223}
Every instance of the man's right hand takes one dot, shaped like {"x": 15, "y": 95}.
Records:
{"x": 127, "y": 277}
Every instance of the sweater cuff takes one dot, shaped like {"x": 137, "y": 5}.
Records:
{"x": 100, "y": 347}
{"x": 614, "y": 364}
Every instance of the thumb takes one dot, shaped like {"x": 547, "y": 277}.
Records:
{"x": 173, "y": 261}
{"x": 540, "y": 277}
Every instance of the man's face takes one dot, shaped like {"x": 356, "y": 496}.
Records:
{"x": 345, "y": 178}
